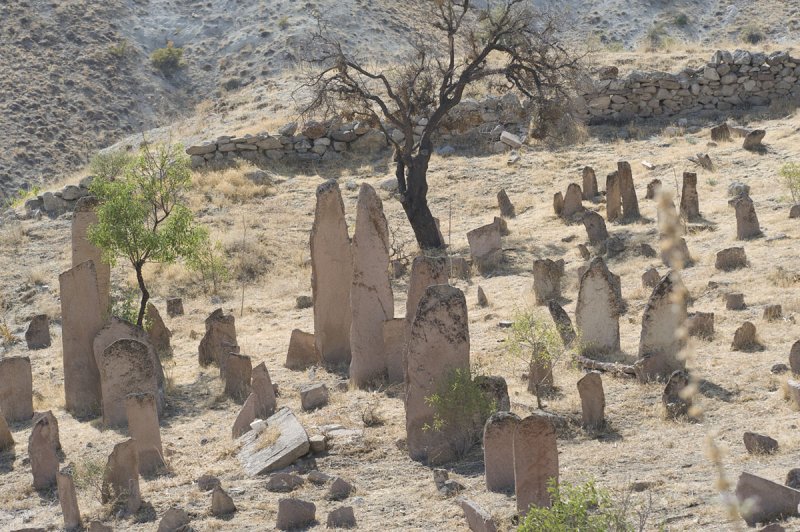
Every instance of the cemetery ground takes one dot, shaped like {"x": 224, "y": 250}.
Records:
{"x": 639, "y": 455}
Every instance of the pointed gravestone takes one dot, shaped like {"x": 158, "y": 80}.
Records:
{"x": 630, "y": 205}
{"x": 246, "y": 416}
{"x": 219, "y": 340}
{"x": 485, "y": 246}
{"x": 562, "y": 322}
{"x": 746, "y": 219}
{"x": 126, "y": 367}
{"x": 425, "y": 272}
{"x": 53, "y": 430}
{"x": 593, "y": 400}
{"x": 506, "y": 207}
{"x": 498, "y": 451}
{"x": 16, "y": 388}
{"x": 42, "y": 454}
{"x": 81, "y": 320}
{"x": 265, "y": 392}
{"x": 121, "y": 478}
{"x": 547, "y": 275}
{"x": 589, "y": 183}
{"x": 221, "y": 502}
{"x": 535, "y": 461}
{"x": 595, "y": 228}
{"x": 438, "y": 345}
{"x": 371, "y": 293}
{"x": 37, "y": 336}
{"x": 331, "y": 276}
{"x": 690, "y": 202}
{"x": 302, "y": 351}
{"x": 158, "y": 333}
{"x": 395, "y": 332}
{"x": 572, "y": 201}
{"x": 238, "y": 374}
{"x": 82, "y": 250}
{"x": 613, "y": 197}
{"x": 143, "y": 428}
{"x": 598, "y": 308}
{"x": 6, "y": 438}
{"x": 659, "y": 344}
{"x": 68, "y": 500}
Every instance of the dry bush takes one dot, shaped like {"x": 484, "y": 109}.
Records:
{"x": 232, "y": 183}
{"x": 249, "y": 259}
{"x": 13, "y": 235}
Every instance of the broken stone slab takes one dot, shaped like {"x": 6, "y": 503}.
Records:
{"x": 16, "y": 388}
{"x": 37, "y": 335}
{"x": 509, "y": 139}
{"x": 302, "y": 352}
{"x": 291, "y": 443}
{"x": 295, "y": 513}
{"x": 284, "y": 482}
{"x": 221, "y": 502}
{"x": 762, "y": 500}
{"x": 731, "y": 259}
{"x": 174, "y": 520}
{"x": 6, "y": 438}
{"x": 735, "y": 301}
{"x": 68, "y": 500}
{"x": 340, "y": 489}
{"x": 478, "y": 519}
{"x": 759, "y": 443}
{"x": 342, "y": 517}
{"x": 773, "y": 312}
{"x": 121, "y": 478}
{"x": 314, "y": 396}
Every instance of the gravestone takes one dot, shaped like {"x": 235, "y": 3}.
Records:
{"x": 219, "y": 340}
{"x": 42, "y": 454}
{"x": 121, "y": 478}
{"x": 425, "y": 271}
{"x": 598, "y": 308}
{"x": 535, "y": 461}
{"x": 126, "y": 367}
{"x": 371, "y": 297}
{"x": 395, "y": 332}
{"x": 731, "y": 259}
{"x": 547, "y": 275}
{"x": 659, "y": 344}
{"x": 174, "y": 520}
{"x": 302, "y": 351}
{"x": 690, "y": 202}
{"x": 437, "y": 346}
{"x": 142, "y": 413}
{"x": 37, "y": 336}
{"x": 593, "y": 400}
{"x": 258, "y": 458}
{"x": 495, "y": 389}
{"x": 595, "y": 227}
{"x": 562, "y": 322}
{"x": 238, "y": 374}
{"x": 174, "y": 307}
{"x": 485, "y": 246}
{"x": 53, "y": 423}
{"x": 6, "y": 438}
{"x": 752, "y": 141}
{"x": 773, "y": 312}
{"x": 331, "y": 276}
{"x": 266, "y": 403}
{"x": 221, "y": 502}
{"x": 68, "y": 500}
{"x": 650, "y": 278}
{"x": 483, "y": 301}
{"x": 675, "y": 253}
{"x": 572, "y": 201}
{"x": 498, "y": 451}
{"x": 295, "y": 513}
{"x": 342, "y": 517}
{"x": 158, "y": 333}
{"x": 478, "y": 519}
{"x": 735, "y": 301}
{"x": 589, "y": 183}
{"x": 630, "y": 205}
{"x": 81, "y": 320}
{"x": 721, "y": 133}
{"x": 701, "y": 325}
{"x": 675, "y": 405}
{"x": 746, "y": 219}
{"x": 794, "y": 357}
{"x": 16, "y": 388}
{"x": 82, "y": 250}
{"x": 653, "y": 188}
{"x": 506, "y": 207}
{"x": 558, "y": 203}
{"x": 246, "y": 416}
{"x": 745, "y": 338}
{"x": 765, "y": 500}
{"x": 613, "y": 197}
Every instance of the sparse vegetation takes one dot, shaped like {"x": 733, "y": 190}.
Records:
{"x": 752, "y": 34}
{"x": 88, "y": 476}
{"x": 283, "y": 22}
{"x": 120, "y": 50}
{"x": 790, "y": 172}
{"x": 22, "y": 195}
{"x": 168, "y": 59}
{"x": 211, "y": 263}
{"x": 7, "y": 337}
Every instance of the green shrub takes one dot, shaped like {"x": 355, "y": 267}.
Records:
{"x": 168, "y": 60}
{"x": 120, "y": 50}
{"x": 210, "y": 262}
{"x": 125, "y": 306}
{"x": 790, "y": 172}
{"x": 283, "y": 22}
{"x": 752, "y": 34}
{"x": 110, "y": 165}
{"x": 681, "y": 20}
{"x": 22, "y": 195}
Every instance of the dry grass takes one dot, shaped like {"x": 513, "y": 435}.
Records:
{"x": 231, "y": 184}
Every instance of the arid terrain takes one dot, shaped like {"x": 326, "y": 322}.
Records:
{"x": 661, "y": 467}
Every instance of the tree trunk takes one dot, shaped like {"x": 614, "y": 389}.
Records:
{"x": 145, "y": 294}
{"x": 413, "y": 185}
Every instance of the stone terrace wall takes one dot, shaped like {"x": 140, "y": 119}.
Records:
{"x": 728, "y": 81}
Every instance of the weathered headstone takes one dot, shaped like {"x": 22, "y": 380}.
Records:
{"x": 653, "y": 188}
{"x": 675, "y": 253}
{"x": 746, "y": 219}
{"x": 158, "y": 333}
{"x": 174, "y": 520}
{"x": 238, "y": 374}
{"x": 314, "y": 396}
{"x": 483, "y": 301}
{"x": 121, "y": 477}
{"x": 221, "y": 502}
{"x": 53, "y": 424}
{"x": 794, "y": 357}
{"x": 701, "y": 325}
{"x": 793, "y": 389}
{"x": 690, "y": 202}
{"x": 174, "y": 307}
{"x": 562, "y": 322}
{"x": 142, "y": 413}
{"x": 16, "y": 388}
{"x": 495, "y": 389}
{"x": 265, "y": 392}
{"x": 762, "y": 500}
{"x": 730, "y": 259}
{"x": 371, "y": 293}
{"x": 721, "y": 133}
{"x": 735, "y": 301}
{"x": 425, "y": 271}
{"x": 540, "y": 375}
{"x": 572, "y": 201}
{"x": 438, "y": 345}
{"x": 302, "y": 351}
{"x": 589, "y": 183}
{"x": 506, "y": 207}
{"x": 547, "y": 275}
{"x": 219, "y": 340}
{"x": 395, "y": 332}
{"x": 331, "y": 276}
{"x": 68, "y": 500}
{"x": 342, "y": 517}
{"x": 485, "y": 246}
{"x": 246, "y": 416}
{"x": 593, "y": 400}
{"x": 630, "y": 205}
{"x": 613, "y": 197}
{"x": 752, "y": 141}
{"x": 295, "y": 513}
{"x": 659, "y": 343}
{"x": 650, "y": 278}
{"x": 6, "y": 438}
{"x": 81, "y": 319}
{"x": 773, "y": 312}
{"x": 37, "y": 336}
{"x": 258, "y": 458}
{"x": 498, "y": 451}
{"x": 558, "y": 203}
{"x": 42, "y": 453}
{"x": 535, "y": 461}
{"x": 460, "y": 268}
{"x": 745, "y": 339}
{"x": 82, "y": 250}
{"x": 595, "y": 227}
{"x": 126, "y": 367}
{"x": 598, "y": 308}
{"x": 675, "y": 405}
{"x": 759, "y": 443}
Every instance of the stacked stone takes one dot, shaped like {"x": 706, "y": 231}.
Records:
{"x": 58, "y": 202}
{"x": 729, "y": 80}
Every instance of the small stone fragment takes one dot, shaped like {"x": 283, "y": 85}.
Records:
{"x": 759, "y": 443}
{"x": 221, "y": 503}
{"x": 340, "y": 489}
{"x": 295, "y": 513}
{"x": 341, "y": 518}
{"x": 314, "y": 396}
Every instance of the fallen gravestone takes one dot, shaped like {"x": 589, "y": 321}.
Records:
{"x": 478, "y": 520}
{"x": 762, "y": 500}
{"x": 759, "y": 443}
{"x": 258, "y": 456}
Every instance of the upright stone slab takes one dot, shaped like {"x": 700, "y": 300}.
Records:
{"x": 395, "y": 332}
{"x": 746, "y": 220}
{"x": 265, "y": 392}
{"x": 158, "y": 333}
{"x": 613, "y": 197}
{"x": 595, "y": 228}
{"x": 485, "y": 246}
{"x": 142, "y": 413}
{"x": 37, "y": 336}
{"x": 598, "y": 308}
{"x": 675, "y": 405}
{"x": 331, "y": 276}
{"x": 174, "y": 307}
{"x": 219, "y": 340}
{"x": 630, "y": 205}
{"x": 593, "y": 400}
{"x": 438, "y": 346}
{"x": 6, "y": 438}
{"x": 16, "y": 388}
{"x": 572, "y": 201}
{"x": 42, "y": 454}
{"x": 371, "y": 297}
{"x": 562, "y": 322}
{"x": 547, "y": 275}
{"x": 506, "y": 207}
{"x": 794, "y": 357}
{"x": 302, "y": 351}
{"x": 81, "y": 319}
{"x": 246, "y": 415}
{"x": 535, "y": 461}
{"x": 425, "y": 272}
{"x": 690, "y": 202}
{"x": 589, "y": 183}
{"x": 53, "y": 431}
{"x": 498, "y": 451}
{"x": 82, "y": 250}
{"x": 238, "y": 374}
{"x": 126, "y": 367}
{"x": 121, "y": 478}
{"x": 68, "y": 500}
{"x": 653, "y": 188}
{"x": 659, "y": 344}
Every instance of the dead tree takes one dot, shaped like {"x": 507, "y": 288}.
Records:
{"x": 501, "y": 46}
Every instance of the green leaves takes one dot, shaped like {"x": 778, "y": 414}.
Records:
{"x": 531, "y": 335}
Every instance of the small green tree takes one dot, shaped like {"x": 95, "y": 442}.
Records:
{"x": 210, "y": 262}
{"x": 790, "y": 172}
{"x": 142, "y": 216}
{"x": 532, "y": 338}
